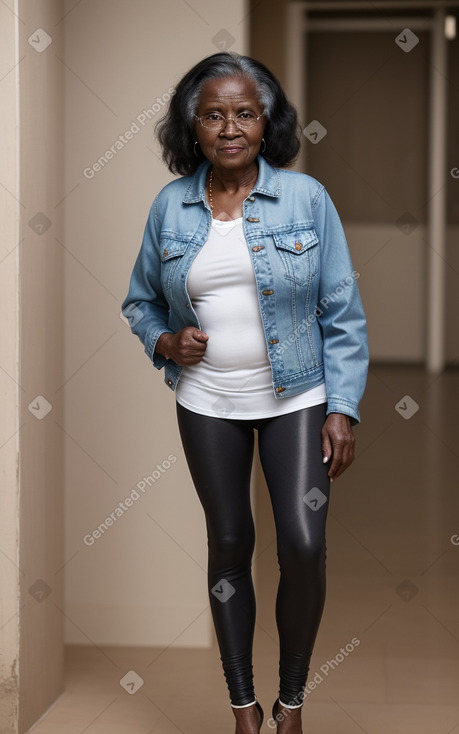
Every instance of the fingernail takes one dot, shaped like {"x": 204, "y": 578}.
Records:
{"x": 331, "y": 479}
{"x": 325, "y": 459}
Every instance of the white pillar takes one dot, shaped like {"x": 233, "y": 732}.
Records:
{"x": 435, "y": 317}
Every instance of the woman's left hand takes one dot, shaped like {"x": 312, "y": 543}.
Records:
{"x": 338, "y": 443}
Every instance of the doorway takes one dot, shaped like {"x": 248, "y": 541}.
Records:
{"x": 372, "y": 86}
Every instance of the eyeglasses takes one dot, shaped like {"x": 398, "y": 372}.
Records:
{"x": 216, "y": 121}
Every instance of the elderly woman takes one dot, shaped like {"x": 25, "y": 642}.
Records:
{"x": 244, "y": 291}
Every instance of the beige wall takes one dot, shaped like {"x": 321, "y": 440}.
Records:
{"x": 9, "y": 374}
{"x": 42, "y": 435}
{"x": 143, "y": 582}
{"x": 64, "y": 275}
{"x": 32, "y": 531}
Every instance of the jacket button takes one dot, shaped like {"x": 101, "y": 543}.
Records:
{"x": 298, "y": 246}
{"x": 273, "y": 341}
{"x": 258, "y": 247}
{"x": 169, "y": 382}
{"x": 280, "y": 389}
{"x": 252, "y": 219}
{"x": 250, "y": 198}
{"x": 188, "y": 305}
{"x": 267, "y": 293}
{"x": 165, "y": 253}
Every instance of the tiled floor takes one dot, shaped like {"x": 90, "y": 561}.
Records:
{"x": 392, "y": 585}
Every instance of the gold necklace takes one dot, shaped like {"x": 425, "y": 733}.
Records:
{"x": 210, "y": 190}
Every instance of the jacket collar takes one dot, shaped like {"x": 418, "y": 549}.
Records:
{"x": 268, "y": 182}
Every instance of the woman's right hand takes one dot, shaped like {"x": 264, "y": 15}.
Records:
{"x": 186, "y": 346}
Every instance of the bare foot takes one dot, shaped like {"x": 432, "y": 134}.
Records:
{"x": 289, "y": 720}
{"x": 247, "y": 720}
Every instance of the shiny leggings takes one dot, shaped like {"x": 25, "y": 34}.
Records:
{"x": 219, "y": 453}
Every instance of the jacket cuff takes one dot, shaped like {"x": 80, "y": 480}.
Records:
{"x": 348, "y": 407}
{"x": 158, "y": 360}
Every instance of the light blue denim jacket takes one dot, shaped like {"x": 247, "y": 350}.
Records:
{"x": 310, "y": 306}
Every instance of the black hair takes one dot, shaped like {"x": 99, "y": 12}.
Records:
{"x": 176, "y": 130}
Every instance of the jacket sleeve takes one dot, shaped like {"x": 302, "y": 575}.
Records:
{"x": 340, "y": 314}
{"x": 145, "y": 305}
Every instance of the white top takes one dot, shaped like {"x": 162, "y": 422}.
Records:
{"x": 233, "y": 379}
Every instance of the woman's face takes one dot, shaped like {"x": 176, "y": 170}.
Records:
{"x": 231, "y": 148}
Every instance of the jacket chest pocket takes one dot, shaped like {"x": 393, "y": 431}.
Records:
{"x": 172, "y": 252}
{"x": 299, "y": 253}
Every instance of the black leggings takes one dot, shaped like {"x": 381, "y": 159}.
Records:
{"x": 219, "y": 453}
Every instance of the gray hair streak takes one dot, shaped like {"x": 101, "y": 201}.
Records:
{"x": 234, "y": 65}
